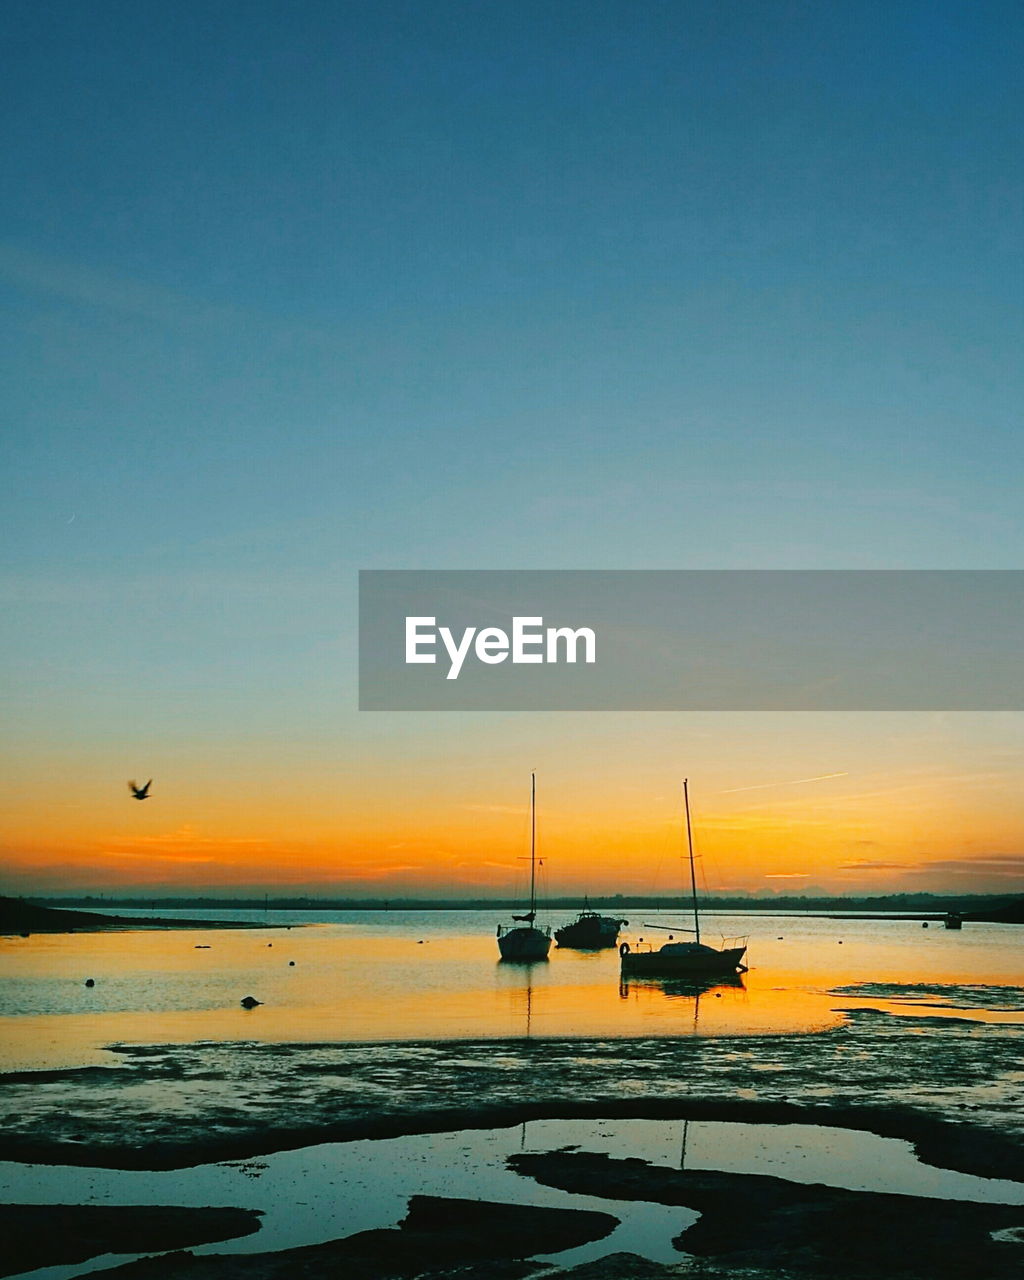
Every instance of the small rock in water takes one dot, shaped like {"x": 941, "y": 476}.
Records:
{"x": 90, "y": 982}
{"x": 249, "y": 1002}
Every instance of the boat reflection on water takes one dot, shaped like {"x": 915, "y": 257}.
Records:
{"x": 689, "y": 988}
{"x": 516, "y": 976}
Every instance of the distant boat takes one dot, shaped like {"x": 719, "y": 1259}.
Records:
{"x": 681, "y": 959}
{"x": 589, "y": 931}
{"x": 522, "y": 940}
{"x": 953, "y": 920}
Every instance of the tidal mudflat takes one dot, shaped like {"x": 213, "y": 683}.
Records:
{"x": 929, "y": 1065}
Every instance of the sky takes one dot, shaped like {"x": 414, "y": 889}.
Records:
{"x": 293, "y": 291}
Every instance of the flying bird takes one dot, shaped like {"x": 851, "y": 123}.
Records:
{"x": 140, "y": 793}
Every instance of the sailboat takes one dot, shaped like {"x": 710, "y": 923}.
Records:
{"x": 522, "y": 940}
{"x": 681, "y": 959}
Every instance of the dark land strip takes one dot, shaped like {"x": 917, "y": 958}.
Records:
{"x": 37, "y": 1235}
{"x": 23, "y": 919}
{"x": 764, "y": 1222}
{"x": 438, "y": 1236}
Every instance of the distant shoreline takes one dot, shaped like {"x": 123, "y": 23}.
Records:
{"x": 25, "y": 918}
{"x": 978, "y": 908}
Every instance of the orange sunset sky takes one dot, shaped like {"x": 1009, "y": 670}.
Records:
{"x": 438, "y": 806}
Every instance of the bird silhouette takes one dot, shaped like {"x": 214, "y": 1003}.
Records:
{"x": 140, "y": 793}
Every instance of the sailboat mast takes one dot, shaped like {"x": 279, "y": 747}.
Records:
{"x": 533, "y": 845}
{"x": 689, "y": 845}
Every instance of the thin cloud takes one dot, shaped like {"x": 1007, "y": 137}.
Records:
{"x": 786, "y": 875}
{"x": 981, "y": 862}
{"x": 866, "y": 864}
{"x": 374, "y": 873}
{"x": 188, "y": 838}
{"x": 125, "y": 855}
{"x": 40, "y": 273}
{"x": 794, "y": 782}
{"x": 170, "y": 308}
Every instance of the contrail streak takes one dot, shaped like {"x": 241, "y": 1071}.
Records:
{"x": 796, "y": 782}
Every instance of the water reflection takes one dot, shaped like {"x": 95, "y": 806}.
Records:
{"x": 517, "y": 977}
{"x": 327, "y": 1191}
{"x": 691, "y": 988}
{"x": 373, "y": 976}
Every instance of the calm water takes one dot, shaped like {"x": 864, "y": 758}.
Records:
{"x": 436, "y": 975}
{"x": 324, "y": 1192}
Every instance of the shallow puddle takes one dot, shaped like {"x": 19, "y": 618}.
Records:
{"x": 325, "y": 1192}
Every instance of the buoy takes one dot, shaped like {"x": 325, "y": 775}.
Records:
{"x": 292, "y": 963}
{"x": 90, "y": 982}
{"x": 249, "y": 1002}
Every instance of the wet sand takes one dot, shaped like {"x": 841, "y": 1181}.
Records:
{"x": 950, "y": 1085}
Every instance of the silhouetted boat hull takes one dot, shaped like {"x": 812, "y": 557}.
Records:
{"x": 526, "y": 943}
{"x": 681, "y": 959}
{"x": 590, "y": 932}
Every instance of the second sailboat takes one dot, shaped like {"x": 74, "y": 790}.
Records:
{"x": 522, "y": 940}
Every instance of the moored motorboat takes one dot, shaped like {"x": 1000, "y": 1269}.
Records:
{"x": 590, "y": 931}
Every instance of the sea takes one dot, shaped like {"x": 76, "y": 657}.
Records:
{"x": 327, "y": 976}
{"x": 433, "y": 976}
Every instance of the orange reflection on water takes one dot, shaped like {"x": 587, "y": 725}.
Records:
{"x": 378, "y": 980}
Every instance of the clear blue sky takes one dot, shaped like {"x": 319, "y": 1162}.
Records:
{"x": 292, "y": 290}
